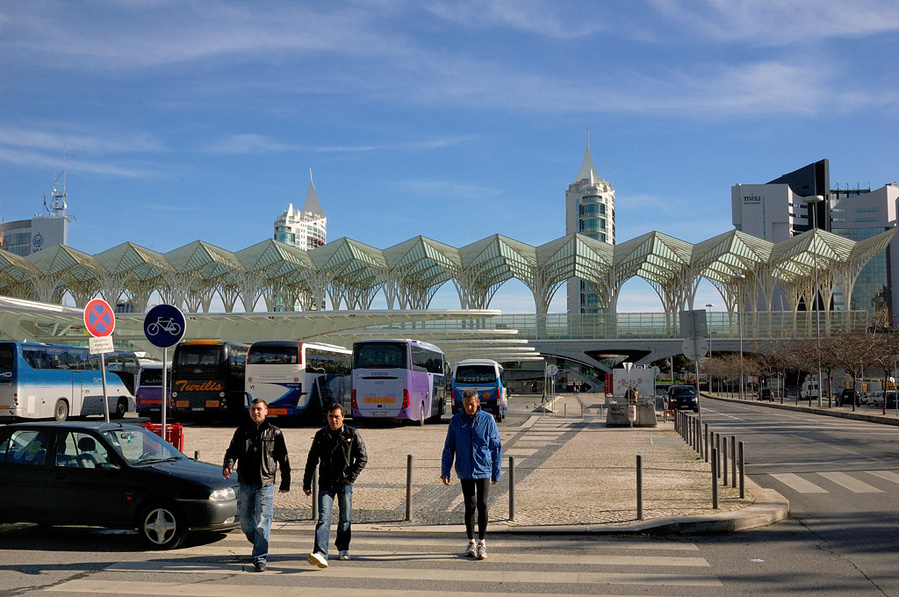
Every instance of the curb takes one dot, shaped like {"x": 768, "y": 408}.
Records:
{"x": 769, "y": 507}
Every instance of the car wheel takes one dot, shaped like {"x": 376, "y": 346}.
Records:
{"x": 162, "y": 527}
{"x": 121, "y": 408}
{"x": 61, "y": 410}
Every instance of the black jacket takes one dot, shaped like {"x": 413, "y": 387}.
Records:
{"x": 258, "y": 452}
{"x": 340, "y": 456}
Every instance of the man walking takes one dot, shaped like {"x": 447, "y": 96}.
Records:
{"x": 258, "y": 449}
{"x": 340, "y": 455}
{"x": 473, "y": 441}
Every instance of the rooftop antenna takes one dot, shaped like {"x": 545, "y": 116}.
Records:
{"x": 58, "y": 204}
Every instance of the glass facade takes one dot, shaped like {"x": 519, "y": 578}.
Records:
{"x": 872, "y": 288}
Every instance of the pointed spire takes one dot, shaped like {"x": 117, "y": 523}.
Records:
{"x": 588, "y": 170}
{"x": 312, "y": 203}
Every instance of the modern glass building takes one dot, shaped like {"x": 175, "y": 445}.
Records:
{"x": 590, "y": 211}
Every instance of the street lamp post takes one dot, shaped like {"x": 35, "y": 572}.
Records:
{"x": 813, "y": 202}
{"x": 739, "y": 279}
{"x": 708, "y": 327}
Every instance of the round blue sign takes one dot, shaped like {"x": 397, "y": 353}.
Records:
{"x": 164, "y": 326}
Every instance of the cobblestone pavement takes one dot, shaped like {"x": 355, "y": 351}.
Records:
{"x": 569, "y": 468}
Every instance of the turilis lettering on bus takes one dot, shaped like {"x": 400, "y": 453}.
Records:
{"x": 211, "y": 385}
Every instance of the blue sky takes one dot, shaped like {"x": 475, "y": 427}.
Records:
{"x": 182, "y": 121}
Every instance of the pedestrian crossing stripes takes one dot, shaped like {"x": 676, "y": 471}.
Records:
{"x": 857, "y": 482}
{"x": 409, "y": 566}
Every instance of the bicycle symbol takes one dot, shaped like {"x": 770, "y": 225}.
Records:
{"x": 167, "y": 325}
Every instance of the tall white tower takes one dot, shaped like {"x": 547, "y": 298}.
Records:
{"x": 589, "y": 210}
{"x": 306, "y": 228}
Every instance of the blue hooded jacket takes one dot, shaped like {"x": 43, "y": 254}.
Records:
{"x": 474, "y": 443}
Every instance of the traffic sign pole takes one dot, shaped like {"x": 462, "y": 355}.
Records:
{"x": 99, "y": 319}
{"x": 164, "y": 326}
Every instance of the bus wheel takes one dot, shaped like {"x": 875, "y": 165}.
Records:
{"x": 121, "y": 408}
{"x": 421, "y": 415}
{"x": 61, "y": 410}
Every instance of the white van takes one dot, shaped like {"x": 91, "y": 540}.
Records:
{"x": 809, "y": 389}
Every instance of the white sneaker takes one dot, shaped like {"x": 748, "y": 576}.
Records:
{"x": 318, "y": 559}
{"x": 344, "y": 554}
{"x": 471, "y": 552}
{"x": 482, "y": 550}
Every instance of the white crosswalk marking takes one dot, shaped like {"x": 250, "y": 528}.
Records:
{"x": 398, "y": 565}
{"x": 850, "y": 483}
{"x": 886, "y": 475}
{"x": 798, "y": 484}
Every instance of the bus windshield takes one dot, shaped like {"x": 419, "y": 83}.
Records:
{"x": 390, "y": 355}
{"x": 200, "y": 359}
{"x": 273, "y": 354}
{"x": 475, "y": 374}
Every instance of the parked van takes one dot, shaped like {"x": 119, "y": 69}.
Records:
{"x": 149, "y": 390}
{"x": 485, "y": 377}
{"x": 809, "y": 389}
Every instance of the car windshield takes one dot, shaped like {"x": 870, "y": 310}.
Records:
{"x": 684, "y": 391}
{"x": 139, "y": 446}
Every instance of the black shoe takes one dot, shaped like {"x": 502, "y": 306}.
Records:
{"x": 260, "y": 566}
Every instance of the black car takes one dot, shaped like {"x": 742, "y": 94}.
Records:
{"x": 683, "y": 397}
{"x": 110, "y": 475}
{"x": 847, "y": 396}
{"x": 766, "y": 394}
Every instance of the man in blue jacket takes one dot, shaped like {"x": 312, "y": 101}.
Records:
{"x": 473, "y": 441}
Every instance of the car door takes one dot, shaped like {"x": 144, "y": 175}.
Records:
{"x": 24, "y": 474}
{"x": 90, "y": 484}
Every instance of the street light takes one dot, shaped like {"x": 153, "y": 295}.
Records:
{"x": 708, "y": 328}
{"x": 813, "y": 202}
{"x": 739, "y": 279}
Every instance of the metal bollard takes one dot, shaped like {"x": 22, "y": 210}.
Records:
{"x": 511, "y": 488}
{"x": 724, "y": 461}
{"x": 705, "y": 440}
{"x": 315, "y": 495}
{"x": 715, "y": 478}
{"x": 565, "y": 411}
{"x": 197, "y": 455}
{"x": 639, "y": 487}
{"x": 408, "y": 487}
{"x": 742, "y": 474}
{"x": 733, "y": 461}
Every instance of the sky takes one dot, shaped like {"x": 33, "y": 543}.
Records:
{"x": 178, "y": 121}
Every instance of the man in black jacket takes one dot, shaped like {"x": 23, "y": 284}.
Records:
{"x": 258, "y": 448}
{"x": 340, "y": 455}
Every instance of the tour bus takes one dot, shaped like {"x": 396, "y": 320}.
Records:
{"x": 51, "y": 381}
{"x": 208, "y": 380}
{"x": 398, "y": 379}
{"x": 486, "y": 378}
{"x": 149, "y": 390}
{"x": 298, "y": 378}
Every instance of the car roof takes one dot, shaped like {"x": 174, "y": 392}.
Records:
{"x": 95, "y": 425}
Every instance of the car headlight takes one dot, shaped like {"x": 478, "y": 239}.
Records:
{"x": 222, "y": 495}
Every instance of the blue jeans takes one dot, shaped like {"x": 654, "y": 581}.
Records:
{"x": 255, "y": 507}
{"x": 326, "y": 497}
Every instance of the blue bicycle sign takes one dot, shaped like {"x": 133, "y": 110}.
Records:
{"x": 164, "y": 325}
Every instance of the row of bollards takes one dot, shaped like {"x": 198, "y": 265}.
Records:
{"x": 713, "y": 446}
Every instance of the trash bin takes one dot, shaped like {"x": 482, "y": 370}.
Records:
{"x": 174, "y": 433}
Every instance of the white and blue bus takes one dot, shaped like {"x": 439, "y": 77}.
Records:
{"x": 485, "y": 377}
{"x": 51, "y": 381}
{"x": 398, "y": 379}
{"x": 298, "y": 379}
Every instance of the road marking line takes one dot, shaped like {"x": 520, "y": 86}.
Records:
{"x": 850, "y": 483}
{"x": 797, "y": 483}
{"x": 207, "y": 590}
{"x": 886, "y": 475}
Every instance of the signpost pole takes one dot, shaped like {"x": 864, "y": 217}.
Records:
{"x": 165, "y": 398}
{"x": 103, "y": 377}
